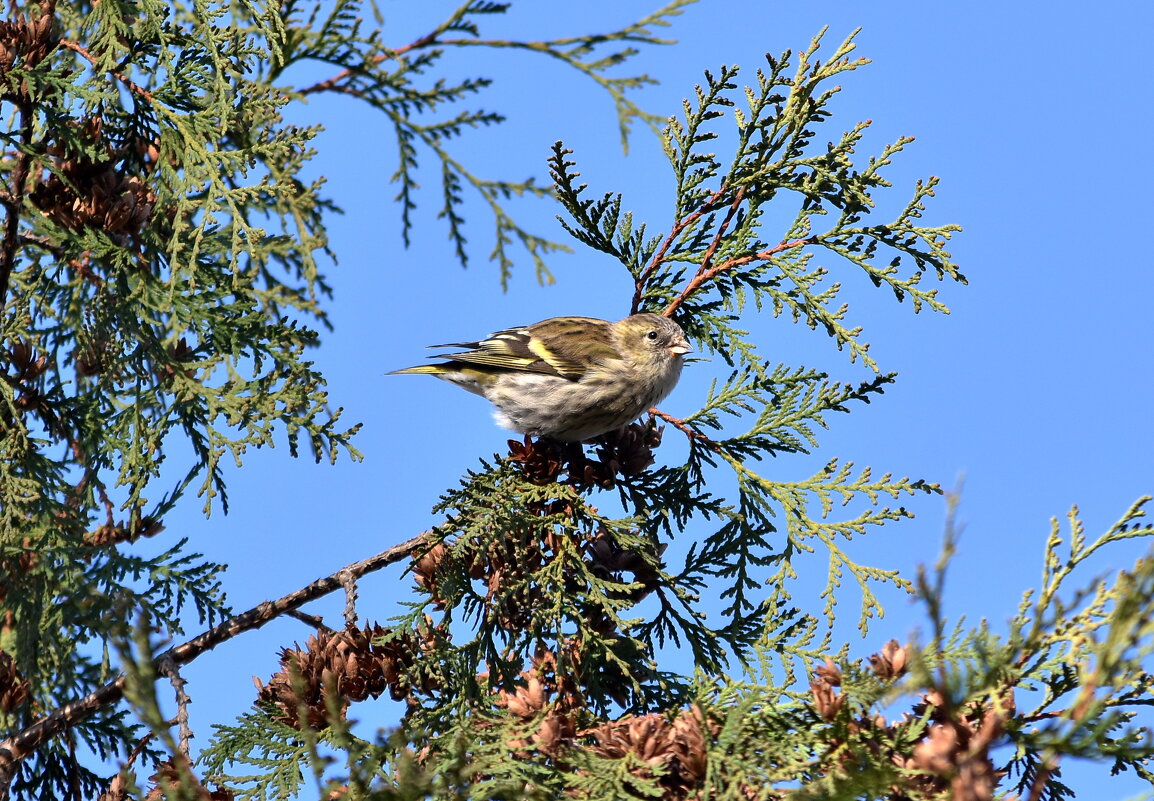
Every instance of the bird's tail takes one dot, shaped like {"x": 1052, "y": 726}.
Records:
{"x": 422, "y": 369}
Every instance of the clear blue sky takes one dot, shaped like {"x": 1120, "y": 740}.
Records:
{"x": 1037, "y": 389}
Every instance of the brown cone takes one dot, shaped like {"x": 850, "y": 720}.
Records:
{"x": 678, "y": 746}
{"x": 347, "y": 663}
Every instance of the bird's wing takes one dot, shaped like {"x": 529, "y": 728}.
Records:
{"x": 574, "y": 343}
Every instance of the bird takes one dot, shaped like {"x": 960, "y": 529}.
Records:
{"x": 568, "y": 378}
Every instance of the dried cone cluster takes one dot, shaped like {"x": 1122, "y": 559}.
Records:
{"x": 954, "y": 756}
{"x": 626, "y": 452}
{"x": 508, "y": 561}
{"x": 124, "y": 531}
{"x": 27, "y": 366}
{"x": 676, "y": 749}
{"x": 12, "y": 567}
{"x": 890, "y": 662}
{"x": 13, "y": 685}
{"x": 28, "y": 41}
{"x": 552, "y": 701}
{"x": 511, "y": 560}
{"x": 338, "y": 668}
{"x": 504, "y": 563}
{"x": 81, "y": 191}
{"x": 550, "y": 698}
{"x": 823, "y": 686}
{"x": 177, "y": 772}
{"x": 173, "y": 779}
{"x": 951, "y": 761}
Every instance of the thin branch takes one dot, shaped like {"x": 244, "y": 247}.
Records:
{"x": 334, "y": 83}
{"x": 707, "y": 259}
{"x": 21, "y": 745}
{"x": 692, "y": 433}
{"x": 659, "y": 256}
{"x": 34, "y": 239}
{"x": 705, "y": 276}
{"x": 315, "y": 621}
{"x": 15, "y": 202}
{"x": 132, "y": 86}
{"x": 167, "y": 667}
{"x": 1041, "y": 779}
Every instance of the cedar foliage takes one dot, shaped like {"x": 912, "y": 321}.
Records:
{"x": 162, "y": 262}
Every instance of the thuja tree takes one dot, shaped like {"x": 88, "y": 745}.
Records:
{"x": 161, "y": 273}
{"x": 160, "y": 264}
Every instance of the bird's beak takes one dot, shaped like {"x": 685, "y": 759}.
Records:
{"x": 680, "y": 347}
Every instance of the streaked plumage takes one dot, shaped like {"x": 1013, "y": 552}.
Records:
{"x": 569, "y": 378}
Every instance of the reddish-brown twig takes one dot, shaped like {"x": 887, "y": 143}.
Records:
{"x": 705, "y": 276}
{"x": 334, "y": 83}
{"x": 1041, "y": 779}
{"x": 14, "y": 202}
{"x": 659, "y": 257}
{"x": 19, "y": 746}
{"x": 683, "y": 427}
{"x": 707, "y": 259}
{"x": 131, "y": 85}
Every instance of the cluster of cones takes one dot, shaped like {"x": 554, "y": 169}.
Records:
{"x": 87, "y": 191}
{"x": 26, "y": 41}
{"x": 950, "y": 760}
{"x": 316, "y": 684}
{"x": 626, "y": 452}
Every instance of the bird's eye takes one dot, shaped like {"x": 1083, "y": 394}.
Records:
{"x": 652, "y": 336}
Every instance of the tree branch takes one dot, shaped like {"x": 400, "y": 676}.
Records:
{"x": 659, "y": 256}
{"x": 133, "y": 87}
{"x": 14, "y": 203}
{"x": 705, "y": 275}
{"x": 334, "y": 83}
{"x": 692, "y": 433}
{"x": 19, "y": 746}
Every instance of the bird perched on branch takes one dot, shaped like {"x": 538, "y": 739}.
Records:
{"x": 568, "y": 378}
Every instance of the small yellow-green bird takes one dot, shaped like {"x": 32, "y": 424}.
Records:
{"x": 569, "y": 378}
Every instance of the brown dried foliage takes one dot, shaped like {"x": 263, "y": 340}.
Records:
{"x": 339, "y": 668}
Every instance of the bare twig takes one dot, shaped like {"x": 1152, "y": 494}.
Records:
{"x": 21, "y": 745}
{"x": 707, "y": 259}
{"x": 1041, "y": 779}
{"x": 15, "y": 199}
{"x": 168, "y": 667}
{"x": 132, "y": 86}
{"x": 685, "y": 429}
{"x": 348, "y": 580}
{"x": 334, "y": 83}
{"x": 316, "y": 621}
{"x": 705, "y": 276}
{"x": 659, "y": 257}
